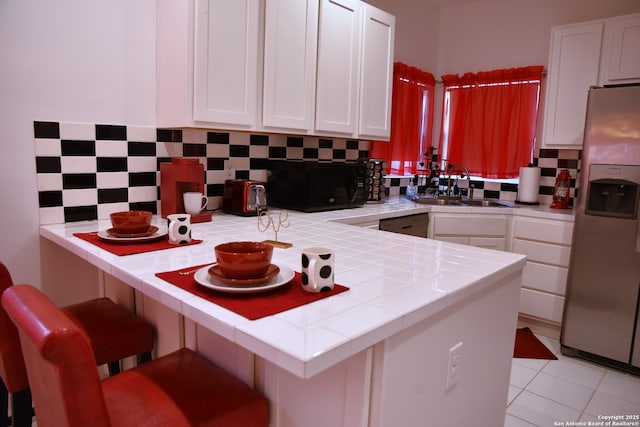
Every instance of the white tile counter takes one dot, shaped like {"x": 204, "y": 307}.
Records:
{"x": 394, "y": 281}
{"x": 399, "y": 286}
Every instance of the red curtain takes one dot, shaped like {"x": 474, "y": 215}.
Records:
{"x": 411, "y": 120}
{"x": 489, "y": 120}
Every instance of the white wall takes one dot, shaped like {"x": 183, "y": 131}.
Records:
{"x": 416, "y": 31}
{"x": 482, "y": 35}
{"x": 492, "y": 34}
{"x": 64, "y": 60}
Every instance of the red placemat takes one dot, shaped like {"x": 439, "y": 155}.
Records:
{"x": 131, "y": 248}
{"x": 252, "y": 306}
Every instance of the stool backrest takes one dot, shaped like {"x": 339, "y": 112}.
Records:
{"x": 12, "y": 370}
{"x": 61, "y": 367}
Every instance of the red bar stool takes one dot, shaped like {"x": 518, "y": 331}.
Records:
{"x": 179, "y": 389}
{"x": 114, "y": 333}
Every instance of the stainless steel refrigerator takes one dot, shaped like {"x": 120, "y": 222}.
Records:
{"x": 601, "y": 319}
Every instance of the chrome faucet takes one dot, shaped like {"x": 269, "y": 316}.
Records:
{"x": 453, "y": 168}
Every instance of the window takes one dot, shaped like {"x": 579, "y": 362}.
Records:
{"x": 411, "y": 120}
{"x": 489, "y": 121}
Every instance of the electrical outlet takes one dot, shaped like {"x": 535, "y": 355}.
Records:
{"x": 453, "y": 366}
{"x": 230, "y": 168}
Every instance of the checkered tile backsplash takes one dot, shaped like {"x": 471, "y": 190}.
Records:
{"x": 86, "y": 171}
{"x": 550, "y": 163}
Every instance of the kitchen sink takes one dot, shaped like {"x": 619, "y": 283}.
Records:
{"x": 445, "y": 201}
{"x": 442, "y": 201}
{"x": 488, "y": 203}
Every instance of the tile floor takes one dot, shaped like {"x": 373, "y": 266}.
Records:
{"x": 569, "y": 391}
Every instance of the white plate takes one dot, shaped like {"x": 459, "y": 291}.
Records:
{"x": 203, "y": 277}
{"x": 162, "y": 231}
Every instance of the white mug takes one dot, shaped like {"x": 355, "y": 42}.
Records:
{"x": 179, "y": 228}
{"x": 317, "y": 269}
{"x": 194, "y": 202}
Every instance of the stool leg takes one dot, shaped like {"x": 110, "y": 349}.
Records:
{"x": 114, "y": 368}
{"x": 22, "y": 408}
{"x": 143, "y": 357}
{"x": 4, "y": 405}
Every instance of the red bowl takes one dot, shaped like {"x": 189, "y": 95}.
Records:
{"x": 131, "y": 222}
{"x": 244, "y": 260}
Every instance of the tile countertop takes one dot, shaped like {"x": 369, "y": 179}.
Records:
{"x": 395, "y": 281}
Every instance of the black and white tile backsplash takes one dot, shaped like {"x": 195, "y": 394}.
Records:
{"x": 550, "y": 163}
{"x": 86, "y": 171}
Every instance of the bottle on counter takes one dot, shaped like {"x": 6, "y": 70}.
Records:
{"x": 561, "y": 190}
{"x": 412, "y": 188}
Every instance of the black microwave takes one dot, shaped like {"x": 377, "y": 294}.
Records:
{"x": 310, "y": 186}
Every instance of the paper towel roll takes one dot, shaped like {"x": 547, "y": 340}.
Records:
{"x": 529, "y": 185}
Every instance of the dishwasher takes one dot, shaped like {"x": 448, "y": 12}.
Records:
{"x": 412, "y": 225}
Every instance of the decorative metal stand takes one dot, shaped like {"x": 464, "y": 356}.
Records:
{"x": 265, "y": 221}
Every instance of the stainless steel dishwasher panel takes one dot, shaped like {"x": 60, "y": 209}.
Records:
{"x": 412, "y": 225}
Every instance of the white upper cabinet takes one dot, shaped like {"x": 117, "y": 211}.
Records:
{"x": 580, "y": 56}
{"x": 338, "y": 66}
{"x": 621, "y": 50}
{"x": 226, "y": 61}
{"x": 286, "y": 66}
{"x": 574, "y": 60}
{"x": 376, "y": 79}
{"x": 355, "y": 70}
{"x": 290, "y": 50}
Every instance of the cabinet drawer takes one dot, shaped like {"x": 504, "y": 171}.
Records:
{"x": 496, "y": 243}
{"x": 541, "y": 305}
{"x": 475, "y": 226}
{"x": 545, "y": 278}
{"x": 560, "y": 232}
{"x": 543, "y": 252}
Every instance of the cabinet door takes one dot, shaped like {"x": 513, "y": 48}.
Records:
{"x": 376, "y": 78}
{"x": 574, "y": 60}
{"x": 338, "y": 66}
{"x": 621, "y": 50}
{"x": 470, "y": 225}
{"x": 290, "y": 50}
{"x": 226, "y": 61}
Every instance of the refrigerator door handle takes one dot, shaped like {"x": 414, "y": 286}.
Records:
{"x": 638, "y": 237}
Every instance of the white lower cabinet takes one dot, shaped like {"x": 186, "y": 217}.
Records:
{"x": 547, "y": 244}
{"x": 485, "y": 231}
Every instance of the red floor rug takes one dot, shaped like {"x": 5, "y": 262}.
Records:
{"x": 529, "y": 347}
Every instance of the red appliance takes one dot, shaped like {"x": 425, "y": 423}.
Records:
{"x": 561, "y": 190}
{"x": 243, "y": 197}
{"x": 176, "y": 178}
